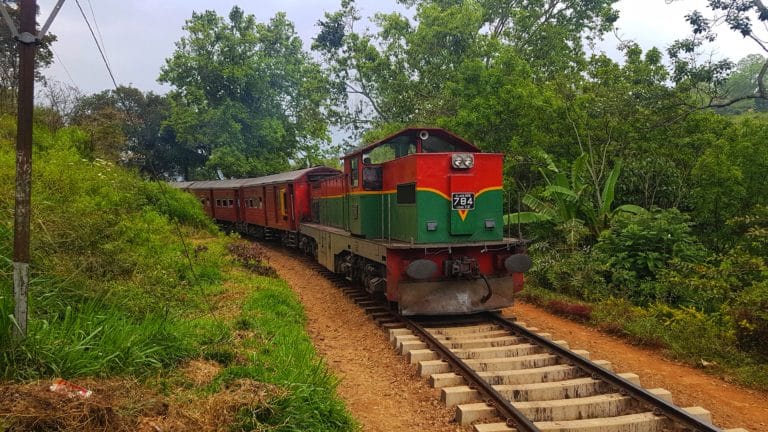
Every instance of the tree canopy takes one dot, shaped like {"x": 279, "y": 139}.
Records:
{"x": 246, "y": 96}
{"x": 9, "y": 61}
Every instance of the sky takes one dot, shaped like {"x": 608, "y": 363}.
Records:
{"x": 138, "y": 35}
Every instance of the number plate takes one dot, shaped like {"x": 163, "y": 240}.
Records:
{"x": 463, "y": 201}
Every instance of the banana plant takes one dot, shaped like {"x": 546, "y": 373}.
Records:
{"x": 569, "y": 203}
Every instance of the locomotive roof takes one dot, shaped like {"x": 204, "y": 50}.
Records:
{"x": 469, "y": 147}
{"x": 255, "y": 181}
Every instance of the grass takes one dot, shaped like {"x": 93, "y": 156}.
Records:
{"x": 268, "y": 375}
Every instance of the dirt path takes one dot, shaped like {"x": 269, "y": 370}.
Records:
{"x": 383, "y": 392}
{"x": 731, "y": 406}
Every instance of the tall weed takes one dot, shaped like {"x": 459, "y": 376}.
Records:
{"x": 93, "y": 339}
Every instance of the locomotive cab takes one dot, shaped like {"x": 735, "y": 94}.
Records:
{"x": 424, "y": 186}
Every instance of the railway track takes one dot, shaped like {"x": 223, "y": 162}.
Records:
{"x": 502, "y": 376}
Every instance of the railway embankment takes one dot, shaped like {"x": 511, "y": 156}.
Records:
{"x": 139, "y": 306}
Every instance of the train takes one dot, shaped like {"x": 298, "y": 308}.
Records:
{"x": 416, "y": 217}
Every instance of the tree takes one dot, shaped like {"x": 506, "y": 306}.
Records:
{"x": 400, "y": 74}
{"x": 741, "y": 84}
{"x": 104, "y": 122}
{"x": 9, "y": 61}
{"x": 247, "y": 98}
{"x": 62, "y": 100}
{"x": 128, "y": 126}
{"x": 708, "y": 79}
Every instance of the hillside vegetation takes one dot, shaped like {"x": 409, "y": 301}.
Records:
{"x": 117, "y": 295}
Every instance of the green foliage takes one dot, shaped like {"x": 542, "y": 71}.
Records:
{"x": 708, "y": 285}
{"x": 407, "y": 70}
{"x": 750, "y": 313}
{"x": 708, "y": 79}
{"x": 111, "y": 284}
{"x": 576, "y": 274}
{"x": 718, "y": 191}
{"x": 638, "y": 246}
{"x": 753, "y": 229}
{"x": 247, "y": 97}
{"x": 286, "y": 357}
{"x": 573, "y": 204}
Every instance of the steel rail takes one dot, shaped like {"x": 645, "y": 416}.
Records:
{"x": 513, "y": 416}
{"x": 659, "y": 406}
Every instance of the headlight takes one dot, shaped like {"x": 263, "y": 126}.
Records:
{"x": 462, "y": 160}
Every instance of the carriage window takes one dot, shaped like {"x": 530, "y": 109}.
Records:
{"x": 218, "y": 203}
{"x": 283, "y": 203}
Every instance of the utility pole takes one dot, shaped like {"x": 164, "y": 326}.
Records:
{"x": 21, "y": 216}
{"x": 28, "y": 39}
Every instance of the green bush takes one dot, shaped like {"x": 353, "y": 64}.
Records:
{"x": 709, "y": 285}
{"x": 572, "y": 274}
{"x": 692, "y": 335}
{"x": 611, "y": 314}
{"x": 638, "y": 247}
{"x": 750, "y": 314}
{"x": 753, "y": 228}
{"x": 645, "y": 243}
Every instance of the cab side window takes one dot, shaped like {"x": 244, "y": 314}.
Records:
{"x": 354, "y": 179}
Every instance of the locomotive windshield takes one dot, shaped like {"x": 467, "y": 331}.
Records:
{"x": 436, "y": 144}
{"x": 396, "y": 148}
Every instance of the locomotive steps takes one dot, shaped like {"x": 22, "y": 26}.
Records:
{"x": 548, "y": 389}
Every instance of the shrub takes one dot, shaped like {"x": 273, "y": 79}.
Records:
{"x": 253, "y": 257}
{"x": 754, "y": 230}
{"x": 573, "y": 274}
{"x": 691, "y": 334}
{"x": 646, "y": 242}
{"x": 611, "y": 314}
{"x": 750, "y": 314}
{"x": 709, "y": 285}
{"x": 637, "y": 247}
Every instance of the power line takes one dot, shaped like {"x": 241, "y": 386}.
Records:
{"x": 98, "y": 29}
{"x": 95, "y": 40}
{"x": 63, "y": 66}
